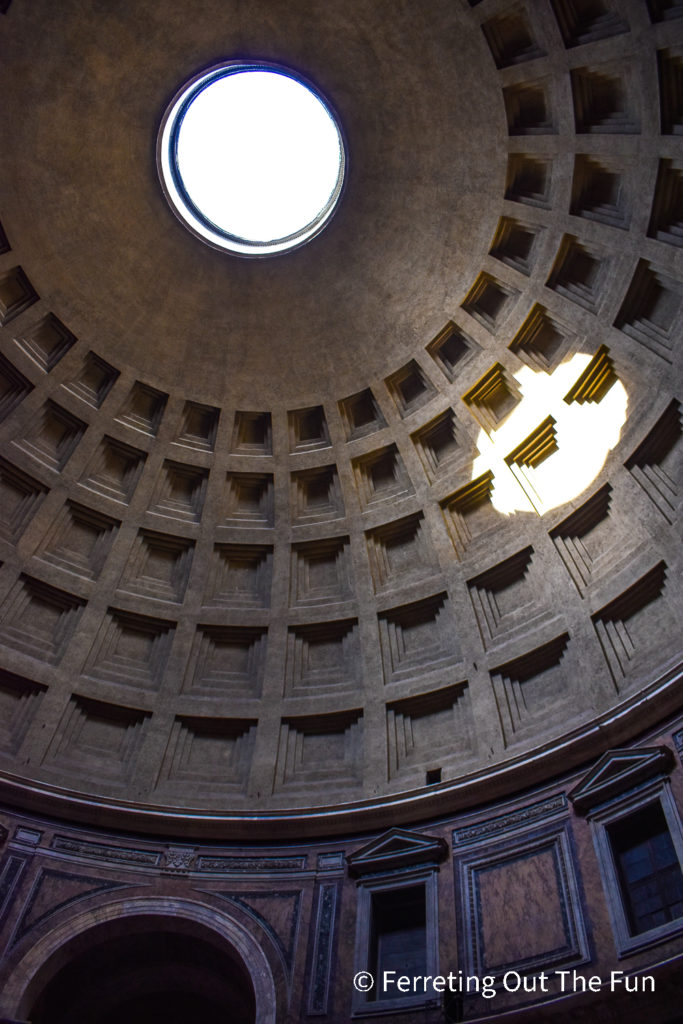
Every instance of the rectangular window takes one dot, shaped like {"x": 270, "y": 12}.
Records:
{"x": 639, "y": 842}
{"x": 397, "y": 930}
{"x": 648, "y": 869}
{"x": 398, "y": 940}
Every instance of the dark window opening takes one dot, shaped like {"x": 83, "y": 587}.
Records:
{"x": 648, "y": 868}
{"x": 398, "y": 940}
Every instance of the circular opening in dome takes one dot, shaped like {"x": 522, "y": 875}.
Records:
{"x": 251, "y": 158}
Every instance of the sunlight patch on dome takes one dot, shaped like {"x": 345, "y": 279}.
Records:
{"x": 568, "y": 441}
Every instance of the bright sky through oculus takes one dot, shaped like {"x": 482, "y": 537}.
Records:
{"x": 252, "y": 159}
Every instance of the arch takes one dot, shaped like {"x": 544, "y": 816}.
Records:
{"x": 41, "y": 962}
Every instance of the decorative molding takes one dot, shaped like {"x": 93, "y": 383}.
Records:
{"x": 104, "y": 852}
{"x": 331, "y": 861}
{"x": 529, "y": 112}
{"x": 240, "y": 576}
{"x": 320, "y": 572}
{"x": 322, "y": 657}
{"x": 652, "y": 310}
{"x": 481, "y": 877}
{"x": 323, "y": 942}
{"x": 285, "y": 944}
{"x": 511, "y": 824}
{"x": 27, "y": 836}
{"x": 180, "y": 492}
{"x": 493, "y": 397}
{"x": 316, "y": 495}
{"x": 179, "y": 859}
{"x": 394, "y": 850}
{"x": 10, "y": 876}
{"x": 130, "y": 649}
{"x": 248, "y": 500}
{"x": 89, "y": 886}
{"x": 249, "y": 865}
{"x": 670, "y": 67}
{"x": 158, "y": 566}
{"x": 678, "y": 741}
{"x": 619, "y": 770}
{"x": 229, "y": 660}
{"x": 542, "y": 341}
{"x": 667, "y": 213}
{"x": 97, "y": 740}
{"x": 505, "y": 598}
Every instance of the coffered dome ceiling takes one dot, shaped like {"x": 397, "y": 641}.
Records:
{"x": 262, "y": 566}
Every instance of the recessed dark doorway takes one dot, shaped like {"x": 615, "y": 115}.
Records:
{"x": 148, "y": 977}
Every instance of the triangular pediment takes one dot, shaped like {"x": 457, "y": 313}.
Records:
{"x": 617, "y": 771}
{"x": 394, "y": 850}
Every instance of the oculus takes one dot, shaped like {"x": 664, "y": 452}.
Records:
{"x": 251, "y": 158}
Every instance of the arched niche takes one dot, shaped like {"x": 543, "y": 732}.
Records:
{"x": 74, "y": 939}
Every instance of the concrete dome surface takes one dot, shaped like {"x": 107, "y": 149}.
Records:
{"x": 254, "y": 569}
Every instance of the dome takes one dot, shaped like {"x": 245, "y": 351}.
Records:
{"x": 258, "y": 572}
